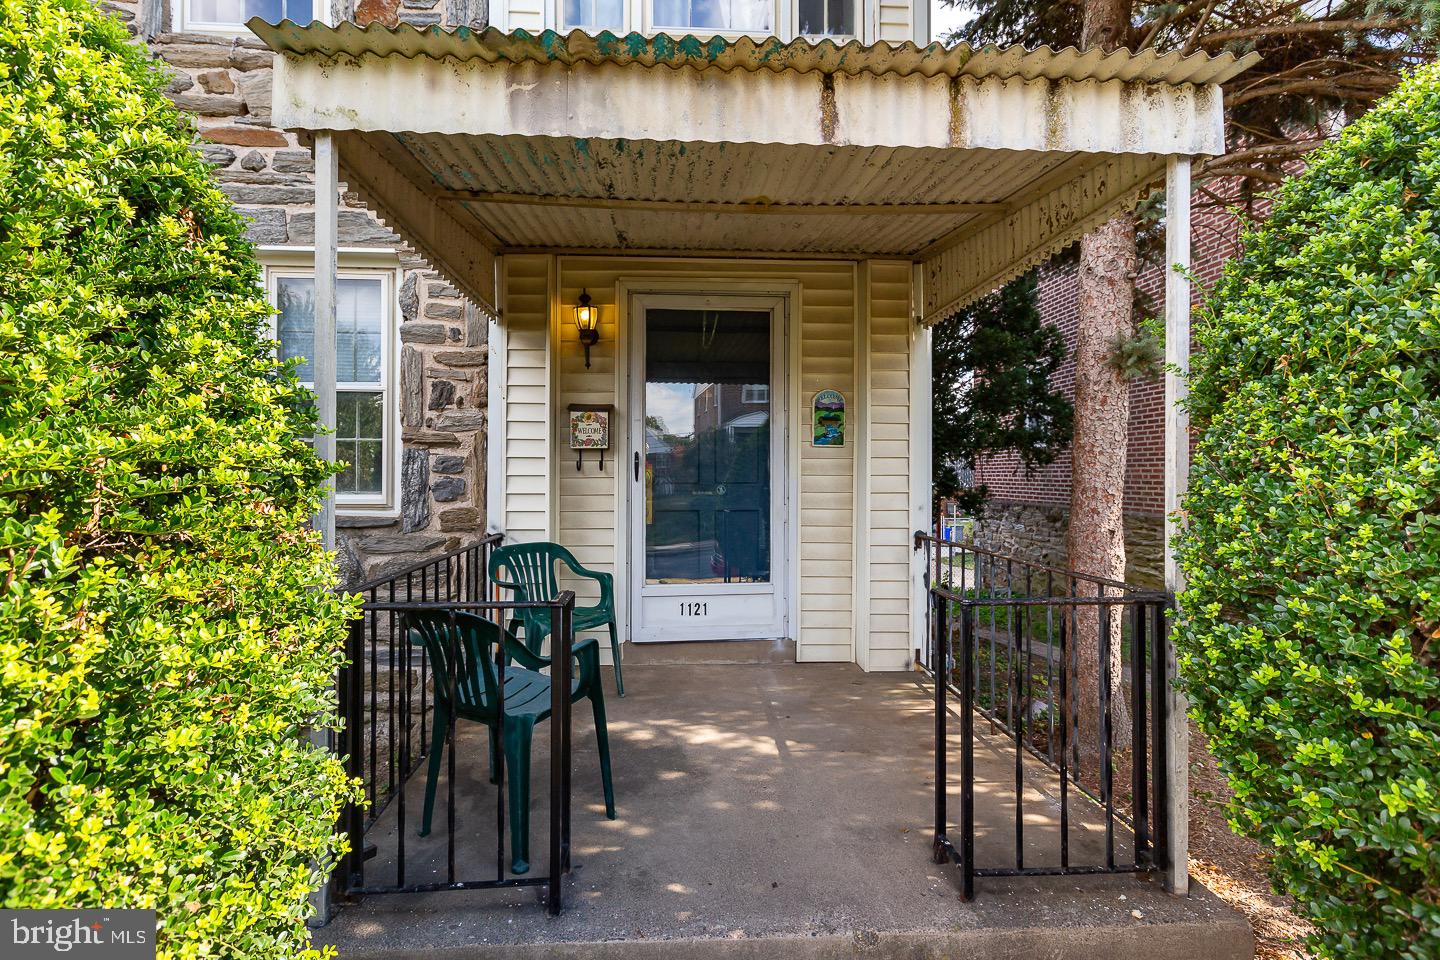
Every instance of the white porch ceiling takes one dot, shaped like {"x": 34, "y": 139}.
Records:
{"x": 977, "y": 166}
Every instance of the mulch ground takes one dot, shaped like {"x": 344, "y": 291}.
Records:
{"x": 1234, "y": 867}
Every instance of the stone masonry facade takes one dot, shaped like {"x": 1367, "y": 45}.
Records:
{"x": 224, "y": 82}
{"x": 1029, "y": 515}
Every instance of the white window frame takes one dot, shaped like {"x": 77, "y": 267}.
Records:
{"x": 838, "y": 37}
{"x": 565, "y": 27}
{"x": 755, "y": 393}
{"x": 182, "y": 22}
{"x": 777, "y": 24}
{"x": 364, "y": 264}
{"x": 639, "y": 15}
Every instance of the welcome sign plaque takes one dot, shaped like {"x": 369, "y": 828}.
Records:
{"x": 589, "y": 430}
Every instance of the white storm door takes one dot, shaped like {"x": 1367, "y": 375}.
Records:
{"x": 707, "y": 468}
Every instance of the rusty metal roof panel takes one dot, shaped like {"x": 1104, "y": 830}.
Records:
{"x": 770, "y": 53}
{"x": 600, "y": 172}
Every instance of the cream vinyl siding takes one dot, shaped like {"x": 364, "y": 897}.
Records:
{"x": 589, "y": 502}
{"x": 893, "y": 21}
{"x": 887, "y": 511}
{"x": 526, "y": 15}
{"x": 525, "y": 315}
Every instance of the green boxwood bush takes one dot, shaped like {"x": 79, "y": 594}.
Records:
{"x": 167, "y": 630}
{"x": 1309, "y": 637}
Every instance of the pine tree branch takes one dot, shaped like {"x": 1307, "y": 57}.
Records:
{"x": 1222, "y": 170}
{"x": 1271, "y": 152}
{"x": 1322, "y": 87}
{"x": 1154, "y": 29}
{"x": 1307, "y": 27}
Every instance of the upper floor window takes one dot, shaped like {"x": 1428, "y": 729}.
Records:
{"x": 755, "y": 393}
{"x": 594, "y": 14}
{"x": 231, "y": 15}
{"x": 364, "y": 432}
{"x": 827, "y": 18}
{"x": 726, "y": 16}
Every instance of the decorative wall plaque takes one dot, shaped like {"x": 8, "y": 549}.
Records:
{"x": 828, "y": 419}
{"x": 589, "y": 430}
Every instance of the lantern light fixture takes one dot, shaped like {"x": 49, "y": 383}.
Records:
{"x": 587, "y": 322}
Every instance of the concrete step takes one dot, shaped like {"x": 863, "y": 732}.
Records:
{"x": 710, "y": 651}
{"x": 1068, "y": 937}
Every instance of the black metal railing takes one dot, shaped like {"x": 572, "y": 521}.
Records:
{"x": 387, "y": 691}
{"x": 1069, "y": 669}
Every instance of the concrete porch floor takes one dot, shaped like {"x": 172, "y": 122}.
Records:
{"x": 769, "y": 810}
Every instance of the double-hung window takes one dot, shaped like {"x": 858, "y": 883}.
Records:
{"x": 230, "y": 16}
{"x": 593, "y": 15}
{"x": 754, "y": 17}
{"x": 365, "y": 441}
{"x": 826, "y": 18}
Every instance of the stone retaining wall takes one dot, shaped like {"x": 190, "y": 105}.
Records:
{"x": 1037, "y": 532}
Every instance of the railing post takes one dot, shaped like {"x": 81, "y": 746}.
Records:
{"x": 1160, "y": 706}
{"x": 967, "y": 754}
{"x": 1139, "y": 799}
{"x": 559, "y": 859}
{"x": 939, "y": 626}
{"x": 352, "y": 707}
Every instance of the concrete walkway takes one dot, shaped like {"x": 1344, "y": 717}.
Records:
{"x": 771, "y": 810}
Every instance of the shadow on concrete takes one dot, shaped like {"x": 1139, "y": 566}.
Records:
{"x": 766, "y": 803}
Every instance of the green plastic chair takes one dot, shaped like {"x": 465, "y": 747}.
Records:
{"x": 470, "y": 658}
{"x": 530, "y": 571}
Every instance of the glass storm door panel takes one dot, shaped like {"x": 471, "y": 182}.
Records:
{"x": 709, "y": 510}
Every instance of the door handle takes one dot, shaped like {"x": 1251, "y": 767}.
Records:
{"x": 637, "y": 466}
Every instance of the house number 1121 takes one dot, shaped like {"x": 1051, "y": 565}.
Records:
{"x": 693, "y": 608}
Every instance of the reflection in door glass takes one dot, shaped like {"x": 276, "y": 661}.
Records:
{"x": 707, "y": 446}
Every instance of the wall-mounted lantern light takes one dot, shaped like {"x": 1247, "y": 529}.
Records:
{"x": 587, "y": 321}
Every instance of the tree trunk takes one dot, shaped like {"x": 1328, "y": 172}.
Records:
{"x": 1096, "y": 538}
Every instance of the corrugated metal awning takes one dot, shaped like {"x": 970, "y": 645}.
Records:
{"x": 772, "y": 54}
{"x": 976, "y": 163}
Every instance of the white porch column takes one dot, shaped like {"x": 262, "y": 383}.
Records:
{"x": 327, "y": 198}
{"x": 1177, "y": 475}
{"x": 922, "y": 493}
{"x": 322, "y": 365}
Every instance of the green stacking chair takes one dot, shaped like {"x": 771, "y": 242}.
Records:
{"x": 470, "y": 657}
{"x": 530, "y": 571}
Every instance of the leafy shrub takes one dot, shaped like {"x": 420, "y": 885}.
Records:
{"x": 1310, "y": 630}
{"x": 167, "y": 634}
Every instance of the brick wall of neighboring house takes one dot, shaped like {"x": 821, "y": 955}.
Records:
{"x": 224, "y": 82}
{"x": 1029, "y": 515}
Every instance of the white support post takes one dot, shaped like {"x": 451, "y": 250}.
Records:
{"x": 1177, "y": 475}
{"x": 327, "y": 199}
{"x": 921, "y": 451}
{"x": 322, "y": 363}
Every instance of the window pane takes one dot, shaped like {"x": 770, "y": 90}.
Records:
{"x": 295, "y": 323}
{"x": 359, "y": 305}
{"x": 359, "y": 316}
{"x": 595, "y": 14}
{"x": 734, "y": 16}
{"x": 359, "y": 432}
{"x": 369, "y": 466}
{"x": 707, "y": 451}
{"x": 827, "y": 17}
{"x": 238, "y": 11}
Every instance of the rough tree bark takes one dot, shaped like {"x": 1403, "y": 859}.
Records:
{"x": 1096, "y": 538}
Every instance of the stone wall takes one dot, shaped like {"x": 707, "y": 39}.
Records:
{"x": 225, "y": 84}
{"x": 1037, "y": 532}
